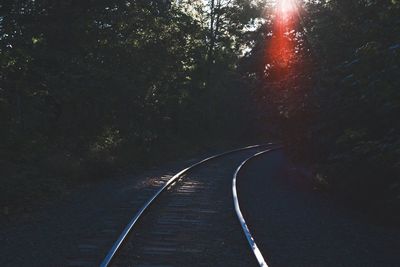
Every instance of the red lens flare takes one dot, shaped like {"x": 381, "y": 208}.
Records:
{"x": 281, "y": 49}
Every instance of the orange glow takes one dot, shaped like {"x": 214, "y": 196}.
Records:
{"x": 281, "y": 49}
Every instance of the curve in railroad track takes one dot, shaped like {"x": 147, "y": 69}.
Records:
{"x": 128, "y": 229}
{"x": 256, "y": 251}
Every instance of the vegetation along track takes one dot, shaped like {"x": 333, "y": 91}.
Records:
{"x": 193, "y": 219}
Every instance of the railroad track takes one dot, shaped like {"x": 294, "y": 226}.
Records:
{"x": 256, "y": 251}
{"x": 184, "y": 227}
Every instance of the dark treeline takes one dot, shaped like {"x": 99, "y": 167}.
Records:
{"x": 337, "y": 103}
{"x": 356, "y": 134}
{"x": 88, "y": 87}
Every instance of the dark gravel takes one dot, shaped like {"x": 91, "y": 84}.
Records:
{"x": 294, "y": 226}
{"x": 79, "y": 229}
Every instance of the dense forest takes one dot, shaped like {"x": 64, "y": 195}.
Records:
{"x": 91, "y": 87}
{"x": 336, "y": 101}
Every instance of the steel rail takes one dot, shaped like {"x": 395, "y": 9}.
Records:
{"x": 249, "y": 237}
{"x": 110, "y": 255}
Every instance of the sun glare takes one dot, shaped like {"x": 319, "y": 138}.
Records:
{"x": 281, "y": 48}
{"x": 286, "y": 7}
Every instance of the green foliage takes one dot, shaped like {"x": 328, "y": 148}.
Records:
{"x": 338, "y": 105}
{"x": 116, "y": 83}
